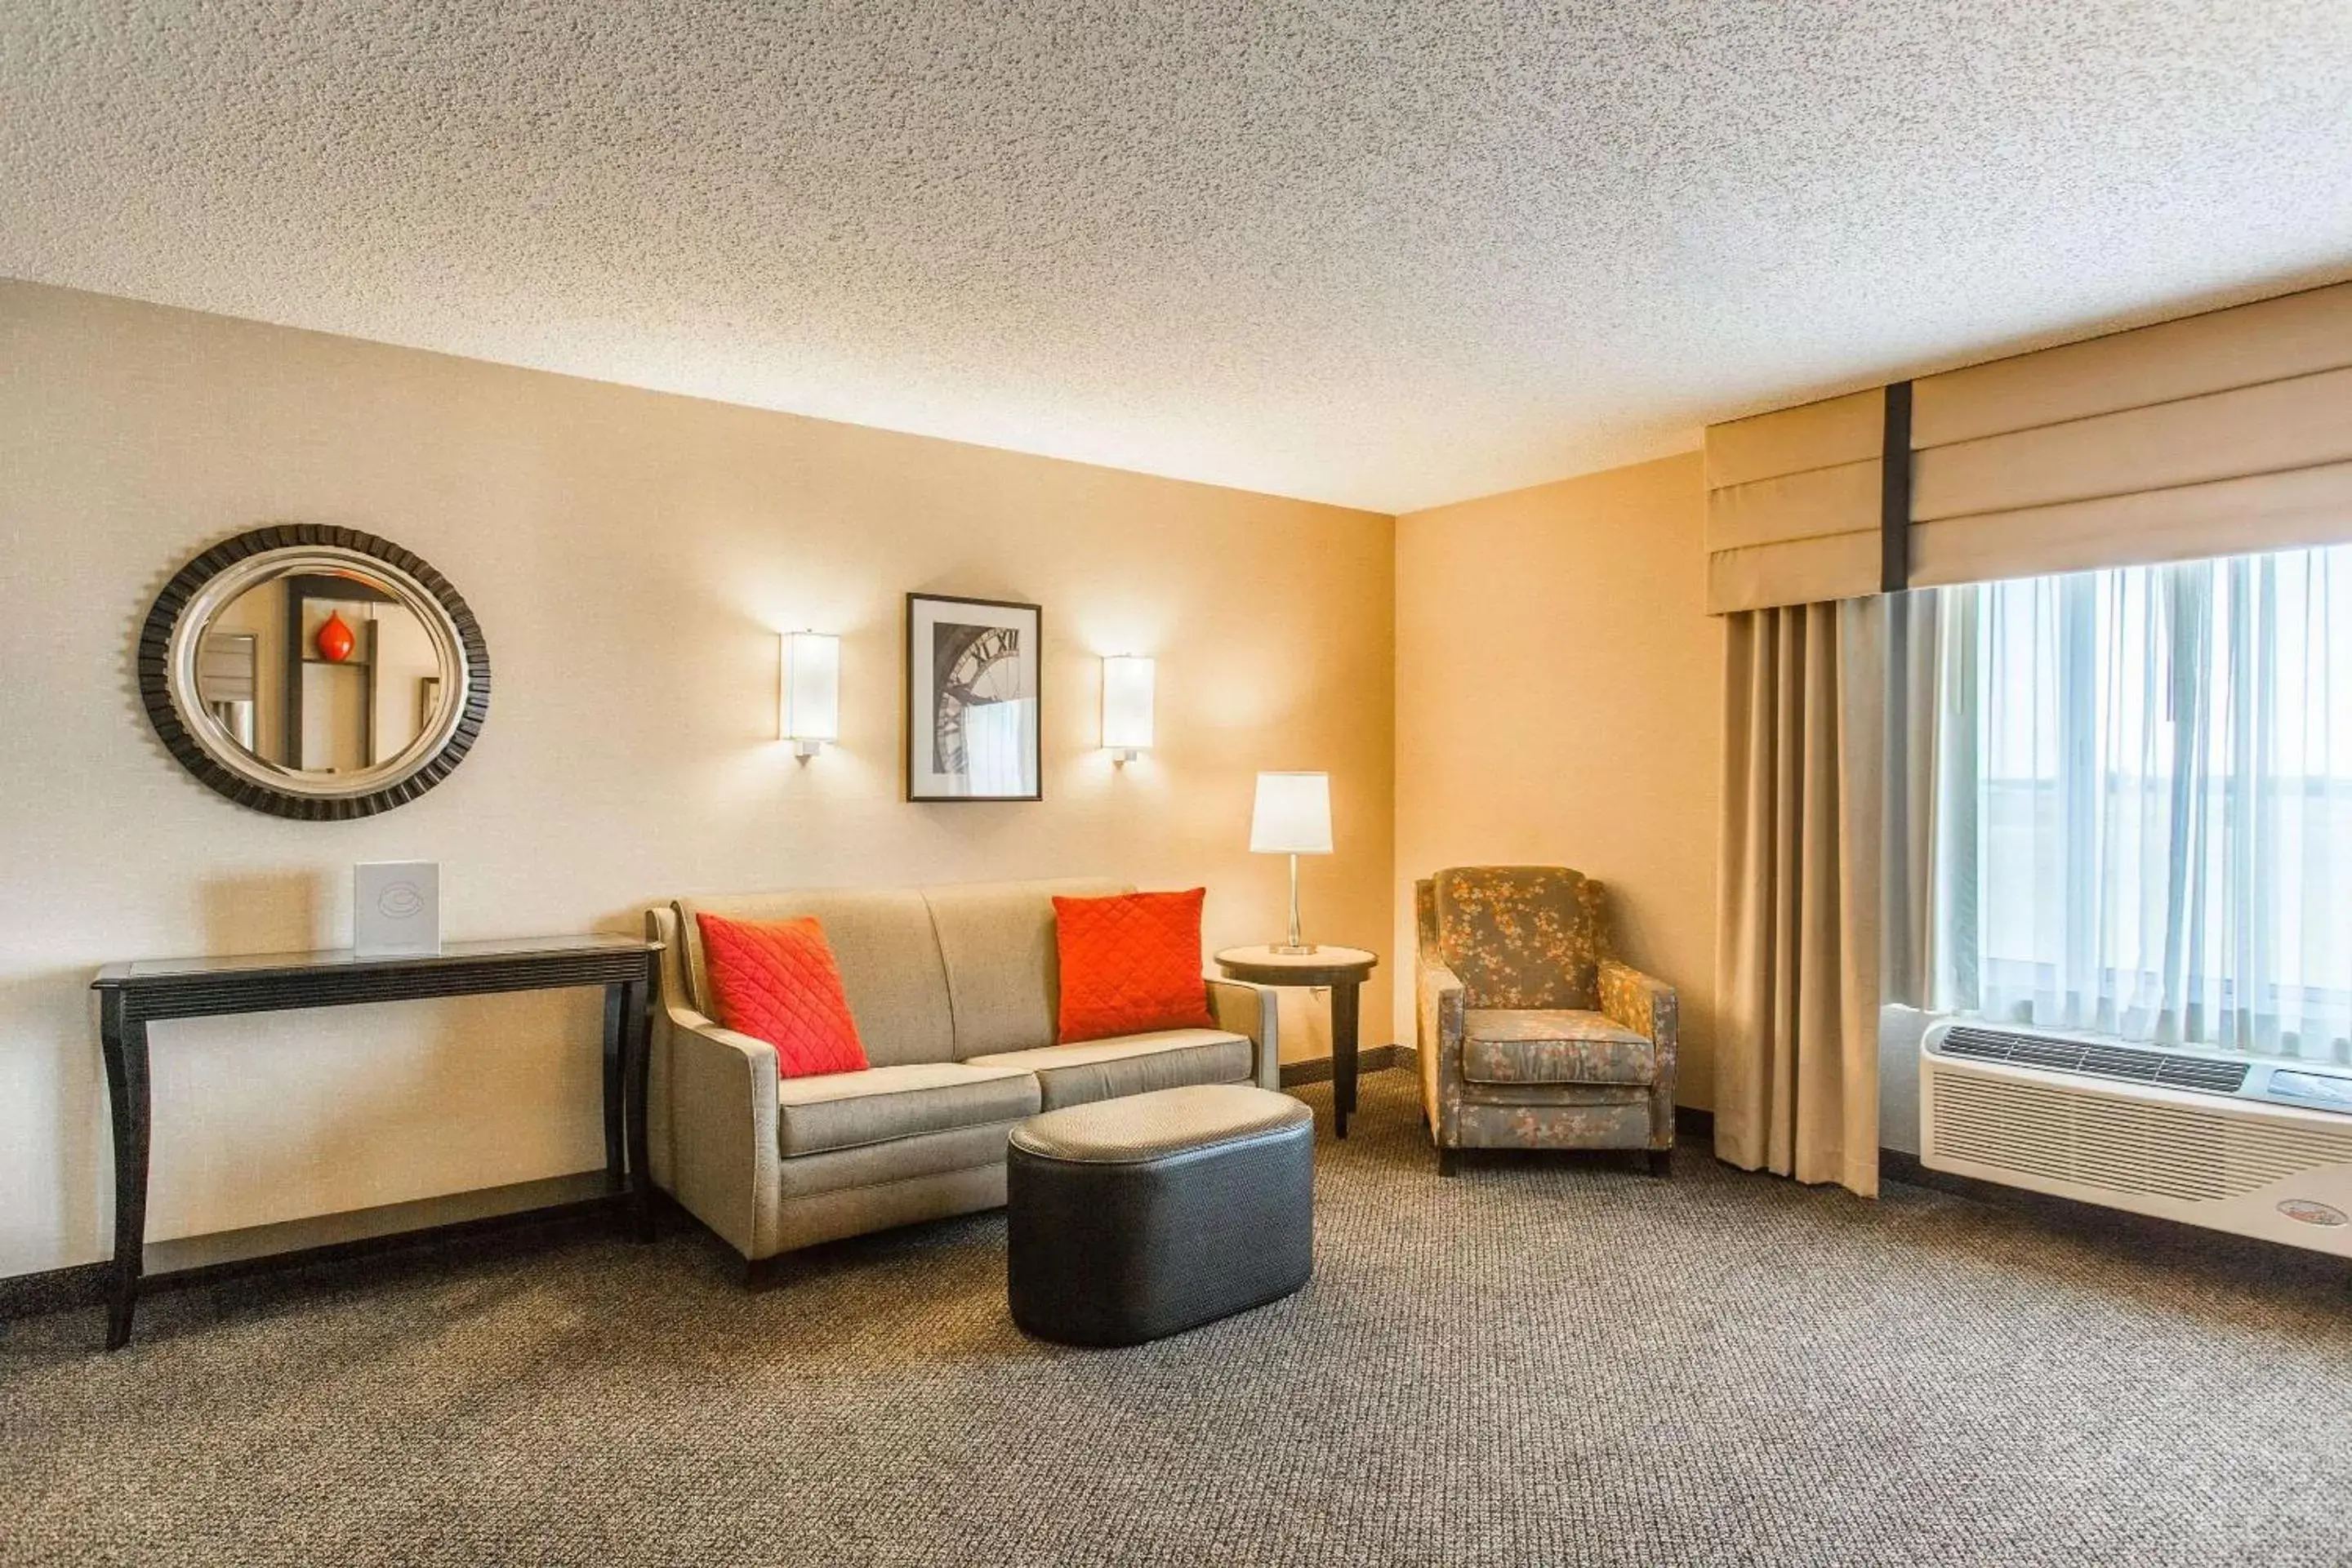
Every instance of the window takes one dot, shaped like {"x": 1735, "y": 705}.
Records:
{"x": 2143, "y": 802}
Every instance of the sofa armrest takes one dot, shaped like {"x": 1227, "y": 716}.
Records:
{"x": 1255, "y": 1011}
{"x": 713, "y": 1113}
{"x": 725, "y": 1156}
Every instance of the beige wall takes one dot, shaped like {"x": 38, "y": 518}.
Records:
{"x": 632, "y": 557}
{"x": 1557, "y": 703}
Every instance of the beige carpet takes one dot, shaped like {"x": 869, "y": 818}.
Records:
{"x": 1545, "y": 1360}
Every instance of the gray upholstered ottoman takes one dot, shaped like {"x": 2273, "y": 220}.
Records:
{"x": 1142, "y": 1217}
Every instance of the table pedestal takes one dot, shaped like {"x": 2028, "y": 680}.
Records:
{"x": 1340, "y": 970}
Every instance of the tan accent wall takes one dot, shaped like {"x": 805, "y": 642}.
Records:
{"x": 632, "y": 557}
{"x": 1558, "y": 702}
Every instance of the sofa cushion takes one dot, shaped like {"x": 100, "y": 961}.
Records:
{"x": 899, "y": 1160}
{"x": 1137, "y": 1064}
{"x": 853, "y": 1110}
{"x": 1131, "y": 965}
{"x": 1552, "y": 1045}
{"x": 775, "y": 981}
{"x": 996, "y": 942}
{"x": 884, "y": 946}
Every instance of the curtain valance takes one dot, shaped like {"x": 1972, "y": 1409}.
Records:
{"x": 2214, "y": 434}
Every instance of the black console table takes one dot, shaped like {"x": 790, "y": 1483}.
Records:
{"x": 132, "y": 995}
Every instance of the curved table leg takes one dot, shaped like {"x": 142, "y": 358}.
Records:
{"x": 637, "y": 1023}
{"x": 123, "y": 1036}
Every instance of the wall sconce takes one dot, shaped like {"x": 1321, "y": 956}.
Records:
{"x": 811, "y": 705}
{"x": 1127, "y": 706}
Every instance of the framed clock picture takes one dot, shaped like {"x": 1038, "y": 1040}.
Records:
{"x": 972, "y": 682}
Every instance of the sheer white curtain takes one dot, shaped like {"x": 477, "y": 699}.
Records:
{"x": 2143, "y": 802}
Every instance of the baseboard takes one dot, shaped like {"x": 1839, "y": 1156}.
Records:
{"x": 1371, "y": 1058}
{"x": 54, "y": 1290}
{"x": 84, "y": 1285}
{"x": 310, "y": 1242}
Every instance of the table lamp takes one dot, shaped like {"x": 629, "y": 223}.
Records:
{"x": 1293, "y": 817}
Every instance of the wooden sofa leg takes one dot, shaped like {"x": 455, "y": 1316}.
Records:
{"x": 1661, "y": 1162}
{"x": 1449, "y": 1162}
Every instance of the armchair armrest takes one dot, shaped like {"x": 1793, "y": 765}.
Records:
{"x": 1254, "y": 1011}
{"x": 1442, "y": 1000}
{"x": 1639, "y": 1002}
{"x": 1649, "y": 1007}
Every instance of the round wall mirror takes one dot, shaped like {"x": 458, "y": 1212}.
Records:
{"x": 314, "y": 672}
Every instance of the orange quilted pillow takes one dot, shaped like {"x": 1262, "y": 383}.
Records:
{"x": 776, "y": 981}
{"x": 1130, "y": 963}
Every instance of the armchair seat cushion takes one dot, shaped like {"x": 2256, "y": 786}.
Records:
{"x": 1131, "y": 1064}
{"x": 854, "y": 1110}
{"x": 1553, "y": 1044}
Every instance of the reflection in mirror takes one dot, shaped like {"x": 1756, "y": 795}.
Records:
{"x": 314, "y": 672}
{"x": 320, "y": 673}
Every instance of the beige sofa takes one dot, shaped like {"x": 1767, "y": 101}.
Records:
{"x": 954, "y": 991}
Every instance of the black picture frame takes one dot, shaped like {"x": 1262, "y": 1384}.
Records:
{"x": 930, "y": 677}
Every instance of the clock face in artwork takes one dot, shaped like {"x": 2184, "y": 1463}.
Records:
{"x": 973, "y": 667}
{"x": 988, "y": 670}
{"x": 978, "y": 665}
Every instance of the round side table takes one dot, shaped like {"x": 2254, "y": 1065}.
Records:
{"x": 1342, "y": 969}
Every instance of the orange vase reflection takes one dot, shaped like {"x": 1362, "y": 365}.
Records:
{"x": 335, "y": 639}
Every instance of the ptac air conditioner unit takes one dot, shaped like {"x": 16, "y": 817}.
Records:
{"x": 2255, "y": 1146}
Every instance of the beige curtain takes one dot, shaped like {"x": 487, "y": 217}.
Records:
{"x": 1797, "y": 946}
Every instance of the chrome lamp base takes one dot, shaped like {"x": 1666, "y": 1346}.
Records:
{"x": 1293, "y": 947}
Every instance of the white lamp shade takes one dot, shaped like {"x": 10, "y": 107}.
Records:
{"x": 811, "y": 687}
{"x": 1127, "y": 702}
{"x": 1293, "y": 815}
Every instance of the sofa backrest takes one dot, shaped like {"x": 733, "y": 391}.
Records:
{"x": 882, "y": 942}
{"x": 996, "y": 942}
{"x": 932, "y": 974}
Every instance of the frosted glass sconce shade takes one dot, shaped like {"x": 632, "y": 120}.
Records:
{"x": 1128, "y": 681}
{"x": 812, "y": 690}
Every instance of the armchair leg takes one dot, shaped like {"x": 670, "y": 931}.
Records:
{"x": 1449, "y": 1162}
{"x": 1661, "y": 1162}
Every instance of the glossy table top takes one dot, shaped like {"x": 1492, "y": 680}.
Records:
{"x": 344, "y": 958}
{"x": 1325, "y": 956}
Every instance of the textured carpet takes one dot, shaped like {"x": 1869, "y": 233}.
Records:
{"x": 1542, "y": 1361}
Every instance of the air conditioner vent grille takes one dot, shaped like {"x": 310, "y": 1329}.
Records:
{"x": 2096, "y": 1139}
{"x": 2094, "y": 1058}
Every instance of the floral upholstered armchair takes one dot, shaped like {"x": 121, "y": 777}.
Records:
{"x": 1531, "y": 1035}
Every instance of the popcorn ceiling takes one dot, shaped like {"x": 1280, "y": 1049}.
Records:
{"x": 1386, "y": 255}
